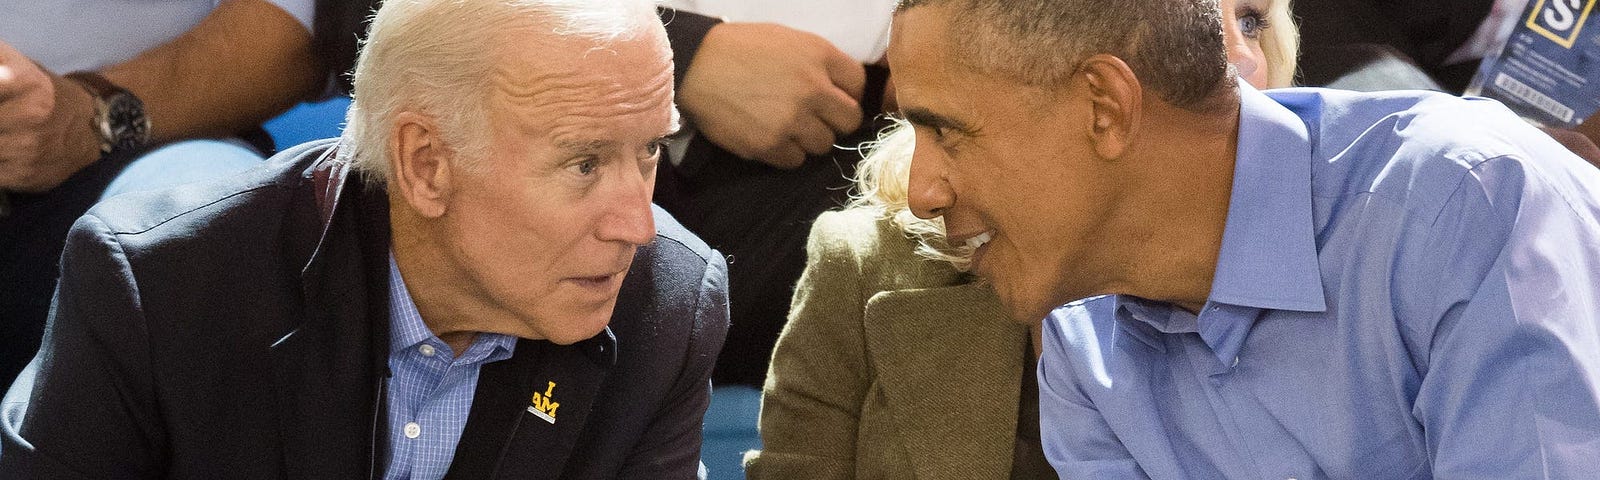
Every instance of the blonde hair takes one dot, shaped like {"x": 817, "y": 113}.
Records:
{"x": 883, "y": 176}
{"x": 1280, "y": 43}
{"x": 882, "y": 184}
{"x": 437, "y": 57}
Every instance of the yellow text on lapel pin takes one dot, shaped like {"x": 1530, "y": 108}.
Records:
{"x": 544, "y": 406}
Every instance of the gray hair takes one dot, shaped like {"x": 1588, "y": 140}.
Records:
{"x": 1174, "y": 47}
{"x": 437, "y": 57}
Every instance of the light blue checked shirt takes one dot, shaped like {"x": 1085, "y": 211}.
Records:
{"x": 430, "y": 392}
{"x": 1408, "y": 288}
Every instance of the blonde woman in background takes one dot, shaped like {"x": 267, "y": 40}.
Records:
{"x": 894, "y": 363}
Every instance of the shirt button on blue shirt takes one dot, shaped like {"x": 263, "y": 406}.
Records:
{"x": 413, "y": 430}
{"x": 427, "y": 350}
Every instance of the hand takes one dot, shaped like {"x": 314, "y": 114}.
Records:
{"x": 770, "y": 93}
{"x": 46, "y": 131}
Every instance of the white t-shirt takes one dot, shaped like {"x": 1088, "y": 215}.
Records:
{"x": 73, "y": 35}
{"x": 860, "y": 28}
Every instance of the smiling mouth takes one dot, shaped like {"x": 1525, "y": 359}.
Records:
{"x": 978, "y": 240}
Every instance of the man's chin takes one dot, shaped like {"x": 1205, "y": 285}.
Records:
{"x": 1027, "y": 308}
{"x": 572, "y": 329}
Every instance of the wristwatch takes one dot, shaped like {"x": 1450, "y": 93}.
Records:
{"x": 119, "y": 116}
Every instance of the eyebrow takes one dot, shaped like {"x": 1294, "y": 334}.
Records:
{"x": 591, "y": 146}
{"x": 581, "y": 146}
{"x": 926, "y": 118}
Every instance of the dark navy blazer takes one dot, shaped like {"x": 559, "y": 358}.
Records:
{"x": 238, "y": 329}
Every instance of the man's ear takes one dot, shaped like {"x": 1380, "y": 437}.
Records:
{"x": 420, "y": 164}
{"x": 1115, "y": 95}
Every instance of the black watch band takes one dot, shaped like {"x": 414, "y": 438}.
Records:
{"x": 119, "y": 119}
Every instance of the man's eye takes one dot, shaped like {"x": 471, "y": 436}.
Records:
{"x": 586, "y": 167}
{"x": 654, "y": 149}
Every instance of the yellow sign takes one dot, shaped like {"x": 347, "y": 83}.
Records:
{"x": 1560, "y": 20}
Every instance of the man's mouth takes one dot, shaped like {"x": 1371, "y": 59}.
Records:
{"x": 980, "y": 239}
{"x": 597, "y": 281}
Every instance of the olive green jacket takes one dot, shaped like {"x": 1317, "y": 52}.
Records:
{"x": 891, "y": 366}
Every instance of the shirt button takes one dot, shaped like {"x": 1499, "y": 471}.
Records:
{"x": 1236, "y": 363}
{"x": 413, "y": 430}
{"x": 427, "y": 350}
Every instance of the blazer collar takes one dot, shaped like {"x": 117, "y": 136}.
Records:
{"x": 329, "y": 365}
{"x": 950, "y": 365}
{"x": 331, "y": 369}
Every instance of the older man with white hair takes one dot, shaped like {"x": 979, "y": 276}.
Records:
{"x": 471, "y": 283}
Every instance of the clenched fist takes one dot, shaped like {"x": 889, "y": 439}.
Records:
{"x": 771, "y": 93}
{"x": 46, "y": 131}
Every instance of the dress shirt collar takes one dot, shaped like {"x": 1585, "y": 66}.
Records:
{"x": 1268, "y": 258}
{"x": 407, "y": 330}
{"x": 1269, "y": 252}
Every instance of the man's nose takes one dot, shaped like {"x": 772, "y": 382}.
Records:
{"x": 928, "y": 193}
{"x": 629, "y": 217}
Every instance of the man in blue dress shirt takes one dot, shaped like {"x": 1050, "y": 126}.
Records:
{"x": 1301, "y": 284}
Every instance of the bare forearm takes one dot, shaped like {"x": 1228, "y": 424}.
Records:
{"x": 245, "y": 62}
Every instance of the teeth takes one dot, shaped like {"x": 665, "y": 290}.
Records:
{"x": 979, "y": 240}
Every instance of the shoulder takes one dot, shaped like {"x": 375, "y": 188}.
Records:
{"x": 1410, "y": 145}
{"x": 1423, "y": 151}
{"x": 677, "y": 281}
{"x": 241, "y": 238}
{"x": 180, "y": 213}
{"x": 854, "y": 232}
{"x": 864, "y": 242}
{"x": 675, "y": 241}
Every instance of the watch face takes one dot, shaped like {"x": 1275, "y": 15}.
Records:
{"x": 125, "y": 123}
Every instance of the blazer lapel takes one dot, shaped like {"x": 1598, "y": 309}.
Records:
{"x": 528, "y": 410}
{"x": 950, "y": 366}
{"x": 328, "y": 369}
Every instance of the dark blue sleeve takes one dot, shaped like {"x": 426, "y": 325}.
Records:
{"x": 90, "y": 411}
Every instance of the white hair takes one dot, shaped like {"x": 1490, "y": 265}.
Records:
{"x": 437, "y": 57}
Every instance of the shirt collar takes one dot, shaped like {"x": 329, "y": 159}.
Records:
{"x": 405, "y": 323}
{"x": 1269, "y": 253}
{"x": 407, "y": 329}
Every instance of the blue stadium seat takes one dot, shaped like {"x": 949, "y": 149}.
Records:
{"x": 308, "y": 121}
{"x": 730, "y": 431}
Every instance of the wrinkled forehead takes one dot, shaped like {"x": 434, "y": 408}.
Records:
{"x": 584, "y": 85}
{"x": 538, "y": 64}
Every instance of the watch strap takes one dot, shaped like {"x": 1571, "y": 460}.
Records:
{"x": 96, "y": 84}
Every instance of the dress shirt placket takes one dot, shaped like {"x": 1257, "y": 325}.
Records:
{"x": 1251, "y": 426}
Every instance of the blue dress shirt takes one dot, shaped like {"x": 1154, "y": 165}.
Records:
{"x": 430, "y": 390}
{"x": 1408, "y": 288}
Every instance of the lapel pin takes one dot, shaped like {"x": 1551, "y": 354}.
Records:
{"x": 544, "y": 405}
